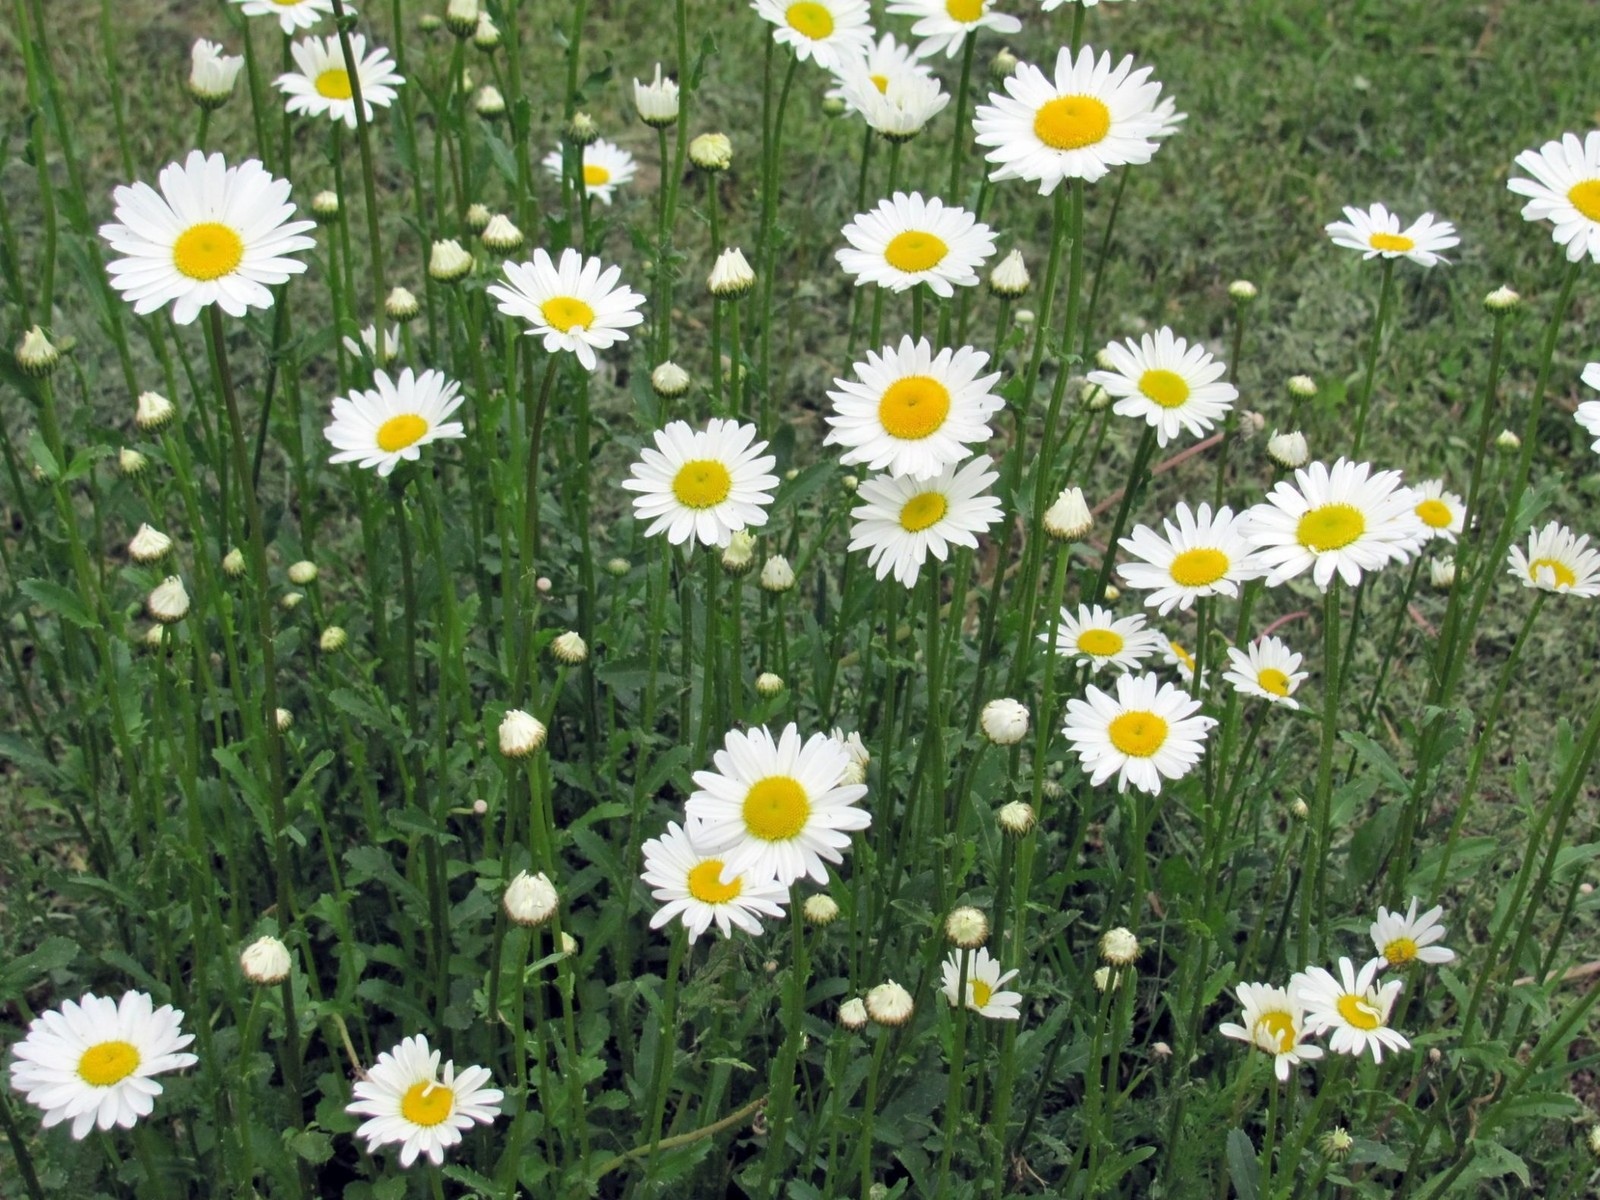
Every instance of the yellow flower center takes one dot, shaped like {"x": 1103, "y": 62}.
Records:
{"x": 1359, "y": 1011}
{"x": 334, "y": 83}
{"x": 1102, "y": 643}
{"x": 1072, "y": 122}
{"x": 595, "y": 175}
{"x": 288, "y": 3}
{"x": 399, "y": 432}
{"x": 706, "y": 886}
{"x": 427, "y": 1103}
{"x": 1330, "y": 527}
{"x": 1166, "y": 388}
{"x": 922, "y": 511}
{"x": 776, "y": 808}
{"x": 1585, "y": 197}
{"x": 106, "y": 1063}
{"x": 982, "y": 993}
{"x": 1138, "y": 734}
{"x": 1274, "y": 1032}
{"x": 1565, "y": 577}
{"x": 1435, "y": 514}
{"x": 702, "y": 483}
{"x": 1400, "y": 951}
{"x": 809, "y": 19}
{"x": 1273, "y": 680}
{"x": 1181, "y": 655}
{"x": 1199, "y": 568}
{"x": 567, "y": 313}
{"x": 881, "y": 82}
{"x": 915, "y": 251}
{"x": 1392, "y": 242}
{"x": 914, "y": 407}
{"x": 965, "y": 11}
{"x": 207, "y": 251}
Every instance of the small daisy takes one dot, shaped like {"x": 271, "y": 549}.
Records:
{"x": 1273, "y": 1022}
{"x": 1401, "y": 940}
{"x": 1200, "y": 556}
{"x": 1094, "y": 637}
{"x": 1090, "y": 118}
{"x": 912, "y": 412}
{"x": 907, "y": 240}
{"x": 1565, "y": 190}
{"x": 1174, "y": 655}
{"x": 1557, "y": 560}
{"x": 406, "y": 1101}
{"x": 93, "y": 1060}
{"x": 606, "y": 167}
{"x": 322, "y": 85}
{"x": 695, "y": 887}
{"x": 392, "y": 423}
{"x": 1346, "y": 518}
{"x": 946, "y": 24}
{"x": 884, "y": 62}
{"x": 905, "y": 520}
{"x": 984, "y": 982}
{"x": 903, "y": 109}
{"x": 1172, "y": 385}
{"x": 829, "y": 33}
{"x": 1352, "y": 1006}
{"x": 1377, "y": 233}
{"x": 1588, "y": 412}
{"x": 703, "y": 485}
{"x": 291, "y": 14}
{"x": 775, "y": 808}
{"x": 214, "y": 234}
{"x": 1266, "y": 668}
{"x": 1443, "y": 514}
{"x": 1146, "y": 733}
{"x": 576, "y": 305}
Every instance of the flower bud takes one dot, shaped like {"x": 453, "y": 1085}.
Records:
{"x": 966, "y": 927}
{"x": 1010, "y": 278}
{"x": 740, "y": 553}
{"x": 1069, "y": 518}
{"x": 1119, "y": 947}
{"x": 669, "y": 381}
{"x": 834, "y": 106}
{"x": 1104, "y": 978}
{"x": 153, "y": 411}
{"x": 1288, "y": 450}
{"x": 853, "y": 1014}
{"x": 570, "y": 648}
{"x": 1094, "y": 397}
{"x": 284, "y": 719}
{"x": 131, "y": 462}
{"x": 1300, "y": 810}
{"x": 1242, "y": 290}
{"x": 448, "y": 262}
{"x": 889, "y": 1004}
{"x": 489, "y": 103}
{"x": 821, "y": 909}
{"x": 290, "y": 601}
{"x": 500, "y": 235}
{"x": 212, "y": 74}
{"x": 1302, "y": 387}
{"x": 1442, "y": 573}
{"x": 168, "y": 602}
{"x": 486, "y": 36}
{"x": 35, "y": 355}
{"x": 302, "y": 572}
{"x": 520, "y": 734}
{"x": 1508, "y": 441}
{"x": 265, "y": 962}
{"x": 581, "y": 130}
{"x": 1016, "y": 817}
{"x": 711, "y": 152}
{"x": 1336, "y": 1143}
{"x": 233, "y": 565}
{"x": 1501, "y": 300}
{"x": 149, "y": 545}
{"x": 333, "y": 640}
{"x": 531, "y": 899}
{"x": 401, "y": 305}
{"x": 776, "y": 574}
{"x": 618, "y": 567}
{"x": 1004, "y": 722}
{"x": 1003, "y": 65}
{"x": 461, "y": 17}
{"x": 731, "y": 275}
{"x": 325, "y": 207}
{"x": 656, "y": 102}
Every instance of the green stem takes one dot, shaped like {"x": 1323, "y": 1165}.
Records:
{"x": 1385, "y": 298}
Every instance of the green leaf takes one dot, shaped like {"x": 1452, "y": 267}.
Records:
{"x": 50, "y": 955}
{"x": 316, "y": 1148}
{"x": 1243, "y": 1168}
{"x": 61, "y": 601}
{"x": 1492, "y": 1161}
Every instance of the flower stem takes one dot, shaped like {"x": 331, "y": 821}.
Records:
{"x": 1385, "y": 298}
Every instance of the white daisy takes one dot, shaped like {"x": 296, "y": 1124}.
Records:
{"x": 1588, "y": 412}
{"x": 907, "y": 240}
{"x": 368, "y": 344}
{"x": 1094, "y": 637}
{"x": 214, "y": 234}
{"x": 984, "y": 982}
{"x": 775, "y": 808}
{"x": 291, "y": 14}
{"x": 93, "y": 1060}
{"x": 883, "y": 62}
{"x": 1200, "y": 556}
{"x": 1174, "y": 655}
{"x": 1090, "y": 118}
{"x": 902, "y": 109}
{"x": 1347, "y": 518}
{"x": 606, "y": 167}
{"x": 1352, "y": 1005}
{"x": 1146, "y": 733}
{"x": 696, "y": 888}
{"x": 1377, "y": 233}
{"x": 407, "y": 1101}
{"x": 912, "y": 412}
{"x": 905, "y": 520}
{"x": 703, "y": 485}
{"x": 392, "y": 423}
{"x": 1400, "y": 940}
{"x": 1168, "y": 119}
{"x": 1273, "y": 1022}
{"x": 827, "y": 32}
{"x": 1266, "y": 668}
{"x": 322, "y": 85}
{"x": 1443, "y": 514}
{"x": 576, "y": 305}
{"x": 1168, "y": 383}
{"x": 1565, "y": 190}
{"x": 946, "y": 24}
{"x": 1557, "y": 560}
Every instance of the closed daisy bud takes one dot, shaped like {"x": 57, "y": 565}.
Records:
{"x": 1302, "y": 387}
{"x": 302, "y": 573}
{"x": 1507, "y": 441}
{"x": 430, "y": 22}
{"x": 401, "y": 305}
{"x": 290, "y": 601}
{"x": 1119, "y": 947}
{"x": 570, "y": 648}
{"x": 333, "y": 640}
{"x": 149, "y": 545}
{"x": 35, "y": 355}
{"x": 618, "y": 567}
{"x": 500, "y": 235}
{"x": 776, "y": 574}
{"x": 1242, "y": 290}
{"x": 1161, "y": 1050}
{"x": 489, "y": 103}
{"x": 821, "y": 909}
{"x": 889, "y": 1004}
{"x": 1112, "y": 593}
{"x": 154, "y": 636}
{"x": 656, "y": 102}
{"x": 966, "y": 927}
{"x": 478, "y": 216}
{"x": 1442, "y": 573}
{"x": 740, "y": 554}
{"x": 1069, "y": 518}
{"x": 1594, "y": 1140}
{"x": 581, "y": 130}
{"x": 487, "y": 36}
{"x": 284, "y": 719}
{"x": 1015, "y": 817}
{"x": 1249, "y": 424}
{"x": 531, "y": 899}
{"x": 1010, "y": 278}
{"x": 1024, "y": 317}
{"x": 520, "y": 734}
{"x": 711, "y": 152}
{"x": 448, "y": 262}
{"x": 1288, "y": 450}
{"x": 850, "y": 483}
{"x": 168, "y": 602}
{"x": 669, "y": 381}
{"x": 212, "y": 74}
{"x": 461, "y": 17}
{"x": 834, "y": 106}
{"x": 1336, "y": 1142}
{"x": 1502, "y": 299}
{"x": 1004, "y": 64}
{"x": 1300, "y": 810}
{"x": 731, "y": 275}
{"x": 768, "y": 684}
{"x": 233, "y": 563}
{"x": 1004, "y": 722}
{"x": 265, "y": 961}
{"x": 853, "y": 1013}
{"x": 1094, "y": 397}
{"x": 131, "y": 462}
{"x": 1105, "y": 978}
{"x": 325, "y": 207}
{"x": 153, "y": 411}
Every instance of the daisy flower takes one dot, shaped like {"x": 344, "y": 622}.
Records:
{"x": 703, "y": 485}
{"x": 407, "y": 1101}
{"x": 1564, "y": 190}
{"x": 1090, "y": 118}
{"x": 322, "y": 85}
{"x": 1588, "y": 412}
{"x": 912, "y": 412}
{"x": 1352, "y": 1006}
{"x": 214, "y": 234}
{"x": 775, "y": 808}
{"x": 575, "y": 305}
{"x": 1146, "y": 733}
{"x": 1174, "y": 655}
{"x": 1094, "y": 637}
{"x": 1273, "y": 1022}
{"x": 1400, "y": 940}
{"x": 1557, "y": 560}
{"x": 291, "y": 14}
{"x": 695, "y": 887}
{"x": 606, "y": 167}
{"x": 984, "y": 982}
{"x": 93, "y": 1060}
{"x": 904, "y": 520}
{"x": 1172, "y": 385}
{"x": 946, "y": 24}
{"x": 902, "y": 109}
{"x": 883, "y": 62}
{"x": 907, "y": 240}
{"x": 1377, "y": 233}
{"x": 392, "y": 423}
{"x": 1266, "y": 668}
{"x": 1346, "y": 518}
{"x": 1200, "y": 556}
{"x": 827, "y": 32}
{"x": 1443, "y": 514}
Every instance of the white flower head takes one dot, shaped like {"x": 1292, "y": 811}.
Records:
{"x": 291, "y": 14}
{"x": 1376, "y": 233}
{"x": 212, "y": 73}
{"x": 907, "y": 240}
{"x": 1588, "y": 411}
{"x": 827, "y": 32}
{"x": 391, "y": 423}
{"x": 899, "y": 110}
{"x": 703, "y": 485}
{"x": 1557, "y": 560}
{"x": 1167, "y": 383}
{"x": 1266, "y": 668}
{"x": 984, "y": 994}
{"x": 1353, "y": 1005}
{"x": 1401, "y": 939}
{"x": 1096, "y": 637}
{"x": 577, "y": 305}
{"x": 1004, "y": 721}
{"x": 322, "y": 85}
{"x": 1149, "y": 731}
{"x": 1564, "y": 190}
{"x": 1201, "y": 555}
{"x": 945, "y": 25}
{"x": 656, "y": 102}
{"x": 902, "y": 520}
{"x": 408, "y": 1102}
{"x": 605, "y": 166}
{"x": 1443, "y": 514}
{"x": 266, "y": 961}
{"x": 1273, "y": 1022}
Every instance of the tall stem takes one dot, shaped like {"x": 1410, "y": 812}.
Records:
{"x": 1385, "y": 297}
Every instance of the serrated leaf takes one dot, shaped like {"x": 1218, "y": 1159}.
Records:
{"x": 50, "y": 955}
{"x": 61, "y": 601}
